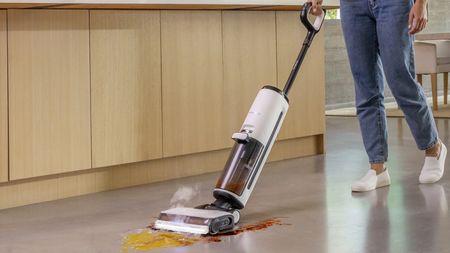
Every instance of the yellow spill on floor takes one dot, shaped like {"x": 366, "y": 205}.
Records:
{"x": 147, "y": 239}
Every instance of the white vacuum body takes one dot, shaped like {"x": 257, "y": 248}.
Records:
{"x": 252, "y": 146}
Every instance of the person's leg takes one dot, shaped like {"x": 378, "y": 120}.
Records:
{"x": 397, "y": 55}
{"x": 396, "y": 50}
{"x": 360, "y": 35}
{"x": 359, "y": 27}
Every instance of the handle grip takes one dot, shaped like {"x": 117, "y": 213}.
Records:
{"x": 312, "y": 27}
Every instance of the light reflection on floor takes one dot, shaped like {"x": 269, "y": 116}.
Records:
{"x": 405, "y": 217}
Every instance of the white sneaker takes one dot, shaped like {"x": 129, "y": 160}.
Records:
{"x": 371, "y": 181}
{"x": 433, "y": 168}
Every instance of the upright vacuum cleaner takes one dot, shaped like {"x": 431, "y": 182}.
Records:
{"x": 252, "y": 147}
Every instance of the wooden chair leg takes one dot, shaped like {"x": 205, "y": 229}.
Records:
{"x": 434, "y": 91}
{"x": 445, "y": 87}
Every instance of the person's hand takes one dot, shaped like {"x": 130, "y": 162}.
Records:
{"x": 418, "y": 17}
{"x": 316, "y": 7}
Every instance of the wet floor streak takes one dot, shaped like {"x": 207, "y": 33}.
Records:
{"x": 149, "y": 238}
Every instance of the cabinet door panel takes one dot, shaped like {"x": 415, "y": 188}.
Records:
{"x": 306, "y": 115}
{"x": 192, "y": 82}
{"x": 49, "y": 92}
{"x": 3, "y": 100}
{"x": 250, "y": 62}
{"x": 126, "y": 86}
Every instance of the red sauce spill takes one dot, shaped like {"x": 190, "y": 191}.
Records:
{"x": 151, "y": 226}
{"x": 257, "y": 226}
{"x": 212, "y": 239}
{"x": 251, "y": 227}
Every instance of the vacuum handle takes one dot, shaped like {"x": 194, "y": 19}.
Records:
{"x": 312, "y": 27}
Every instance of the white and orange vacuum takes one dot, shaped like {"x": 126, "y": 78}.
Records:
{"x": 252, "y": 146}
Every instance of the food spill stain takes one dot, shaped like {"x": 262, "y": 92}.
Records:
{"x": 149, "y": 238}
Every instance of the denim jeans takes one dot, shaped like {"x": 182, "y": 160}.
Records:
{"x": 377, "y": 39}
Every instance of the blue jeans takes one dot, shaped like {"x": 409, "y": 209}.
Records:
{"x": 377, "y": 39}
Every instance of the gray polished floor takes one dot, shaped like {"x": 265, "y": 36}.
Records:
{"x": 312, "y": 194}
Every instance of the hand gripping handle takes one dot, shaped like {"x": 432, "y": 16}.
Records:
{"x": 312, "y": 27}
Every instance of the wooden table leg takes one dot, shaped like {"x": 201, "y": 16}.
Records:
{"x": 445, "y": 87}
{"x": 419, "y": 79}
{"x": 434, "y": 91}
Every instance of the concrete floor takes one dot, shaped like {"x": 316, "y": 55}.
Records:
{"x": 312, "y": 194}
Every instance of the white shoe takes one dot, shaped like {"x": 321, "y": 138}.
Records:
{"x": 433, "y": 168}
{"x": 371, "y": 181}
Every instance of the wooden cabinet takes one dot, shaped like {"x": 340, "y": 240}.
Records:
{"x": 307, "y": 104}
{"x": 49, "y": 92}
{"x": 3, "y": 100}
{"x": 250, "y": 61}
{"x": 192, "y": 82}
{"x": 83, "y": 89}
{"x": 126, "y": 86}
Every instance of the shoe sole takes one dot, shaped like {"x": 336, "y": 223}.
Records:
{"x": 368, "y": 190}
{"x": 387, "y": 183}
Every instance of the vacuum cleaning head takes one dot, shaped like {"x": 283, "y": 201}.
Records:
{"x": 195, "y": 221}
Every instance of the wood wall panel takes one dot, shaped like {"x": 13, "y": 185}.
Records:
{"x": 307, "y": 98}
{"x": 126, "y": 87}
{"x": 3, "y": 100}
{"x": 249, "y": 51}
{"x": 192, "y": 82}
{"x": 49, "y": 91}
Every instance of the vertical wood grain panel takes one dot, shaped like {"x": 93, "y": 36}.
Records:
{"x": 307, "y": 98}
{"x": 49, "y": 92}
{"x": 192, "y": 82}
{"x": 249, "y": 49}
{"x": 3, "y": 100}
{"x": 126, "y": 87}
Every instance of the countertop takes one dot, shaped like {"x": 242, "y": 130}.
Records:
{"x": 159, "y": 4}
